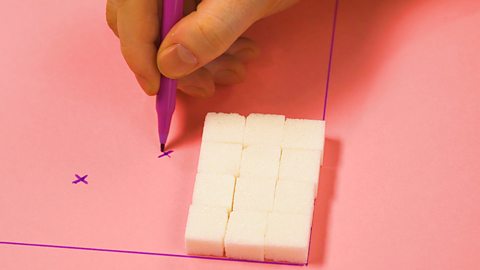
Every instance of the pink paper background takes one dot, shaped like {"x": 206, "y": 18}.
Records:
{"x": 400, "y": 187}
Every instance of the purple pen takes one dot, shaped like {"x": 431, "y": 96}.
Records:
{"x": 166, "y": 96}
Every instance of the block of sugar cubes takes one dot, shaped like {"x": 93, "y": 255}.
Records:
{"x": 260, "y": 160}
{"x": 304, "y": 134}
{"x": 223, "y": 127}
{"x": 205, "y": 231}
{"x": 254, "y": 193}
{"x": 255, "y": 188}
{"x": 287, "y": 238}
{"x": 220, "y": 158}
{"x": 264, "y": 129}
{"x": 245, "y": 236}
{"x": 214, "y": 190}
{"x": 300, "y": 165}
{"x": 294, "y": 197}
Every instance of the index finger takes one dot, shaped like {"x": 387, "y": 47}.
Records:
{"x": 138, "y": 30}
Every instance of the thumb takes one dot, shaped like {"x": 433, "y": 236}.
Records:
{"x": 206, "y": 34}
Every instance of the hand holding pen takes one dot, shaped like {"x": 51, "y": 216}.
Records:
{"x": 204, "y": 48}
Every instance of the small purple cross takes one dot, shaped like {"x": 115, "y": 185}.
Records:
{"x": 166, "y": 153}
{"x": 80, "y": 179}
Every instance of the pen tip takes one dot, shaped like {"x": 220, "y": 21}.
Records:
{"x": 162, "y": 147}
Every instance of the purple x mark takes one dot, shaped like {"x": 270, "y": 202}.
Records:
{"x": 166, "y": 153}
{"x": 80, "y": 179}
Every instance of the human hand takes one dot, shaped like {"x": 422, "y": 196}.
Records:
{"x": 203, "y": 49}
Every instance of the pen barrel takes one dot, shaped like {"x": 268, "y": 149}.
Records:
{"x": 172, "y": 13}
{"x": 165, "y": 105}
{"x": 166, "y": 96}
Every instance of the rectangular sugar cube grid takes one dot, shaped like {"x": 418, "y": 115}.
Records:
{"x": 214, "y": 190}
{"x": 205, "y": 230}
{"x": 273, "y": 179}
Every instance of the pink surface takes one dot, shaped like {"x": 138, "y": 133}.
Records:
{"x": 399, "y": 189}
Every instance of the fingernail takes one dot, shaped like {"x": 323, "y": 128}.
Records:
{"x": 146, "y": 85}
{"x": 176, "y": 61}
{"x": 226, "y": 76}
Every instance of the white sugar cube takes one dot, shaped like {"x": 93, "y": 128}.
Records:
{"x": 220, "y": 158}
{"x": 205, "y": 231}
{"x": 245, "y": 236}
{"x": 304, "y": 134}
{"x": 265, "y": 129}
{"x": 223, "y": 127}
{"x": 287, "y": 238}
{"x": 294, "y": 197}
{"x": 300, "y": 165}
{"x": 260, "y": 160}
{"x": 254, "y": 193}
{"x": 214, "y": 190}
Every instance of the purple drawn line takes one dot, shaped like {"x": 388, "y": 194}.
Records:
{"x": 327, "y": 86}
{"x": 329, "y": 69}
{"x": 143, "y": 253}
{"x": 166, "y": 153}
{"x": 80, "y": 179}
{"x": 311, "y": 232}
